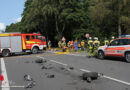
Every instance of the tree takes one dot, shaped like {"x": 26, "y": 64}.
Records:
{"x": 14, "y": 27}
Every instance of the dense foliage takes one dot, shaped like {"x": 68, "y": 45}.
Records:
{"x": 74, "y": 18}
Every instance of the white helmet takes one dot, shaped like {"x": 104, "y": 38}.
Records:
{"x": 95, "y": 38}
{"x": 90, "y": 38}
{"x": 113, "y": 37}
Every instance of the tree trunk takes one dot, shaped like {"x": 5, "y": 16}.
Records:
{"x": 119, "y": 29}
{"x": 63, "y": 28}
{"x": 119, "y": 21}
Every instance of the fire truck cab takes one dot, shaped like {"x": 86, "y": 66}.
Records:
{"x": 11, "y": 43}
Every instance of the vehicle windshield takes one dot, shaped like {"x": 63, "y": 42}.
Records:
{"x": 41, "y": 37}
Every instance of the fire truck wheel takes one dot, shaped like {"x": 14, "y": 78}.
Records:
{"x": 5, "y": 53}
{"x": 34, "y": 50}
{"x": 127, "y": 57}
{"x": 101, "y": 55}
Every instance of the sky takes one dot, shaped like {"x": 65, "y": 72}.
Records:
{"x": 10, "y": 12}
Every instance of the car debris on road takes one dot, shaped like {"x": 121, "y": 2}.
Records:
{"x": 40, "y": 61}
{"x": 89, "y": 76}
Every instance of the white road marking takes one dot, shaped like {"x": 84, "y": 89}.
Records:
{"x": 84, "y": 70}
{"x": 12, "y": 87}
{"x": 117, "y": 80}
{"x": 4, "y": 73}
{"x": 58, "y": 62}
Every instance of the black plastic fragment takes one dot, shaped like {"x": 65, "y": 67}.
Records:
{"x": 51, "y": 76}
{"x": 44, "y": 67}
{"x": 39, "y": 61}
{"x": 31, "y": 84}
{"x": 89, "y": 76}
{"x": 27, "y": 78}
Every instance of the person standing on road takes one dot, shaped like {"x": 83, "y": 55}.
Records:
{"x": 90, "y": 45}
{"x": 106, "y": 42}
{"x": 79, "y": 46}
{"x": 64, "y": 46}
{"x": 68, "y": 45}
{"x": 82, "y": 45}
{"x": 76, "y": 45}
{"x": 49, "y": 44}
{"x": 72, "y": 45}
{"x": 96, "y": 44}
{"x": 59, "y": 44}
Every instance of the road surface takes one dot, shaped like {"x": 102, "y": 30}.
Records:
{"x": 63, "y": 72}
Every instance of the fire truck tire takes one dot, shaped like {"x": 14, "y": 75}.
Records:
{"x": 35, "y": 50}
{"x": 127, "y": 57}
{"x": 101, "y": 54}
{"x": 5, "y": 53}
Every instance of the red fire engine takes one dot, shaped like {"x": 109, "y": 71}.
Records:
{"x": 11, "y": 43}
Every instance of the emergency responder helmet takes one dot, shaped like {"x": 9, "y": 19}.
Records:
{"x": 95, "y": 38}
{"x": 90, "y": 38}
{"x": 113, "y": 37}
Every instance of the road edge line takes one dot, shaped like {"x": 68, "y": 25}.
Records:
{"x": 4, "y": 73}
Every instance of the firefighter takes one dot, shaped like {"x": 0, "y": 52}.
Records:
{"x": 96, "y": 44}
{"x": 106, "y": 42}
{"x": 68, "y": 45}
{"x": 90, "y": 45}
{"x": 59, "y": 44}
{"x": 72, "y": 45}
{"x": 76, "y": 45}
{"x": 64, "y": 46}
{"x": 82, "y": 45}
{"x": 79, "y": 45}
{"x": 49, "y": 44}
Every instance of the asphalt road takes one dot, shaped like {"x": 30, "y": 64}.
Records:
{"x": 55, "y": 72}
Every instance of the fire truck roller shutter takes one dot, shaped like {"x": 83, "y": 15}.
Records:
{"x": 16, "y": 44}
{"x": 5, "y": 46}
{"x": 5, "y": 42}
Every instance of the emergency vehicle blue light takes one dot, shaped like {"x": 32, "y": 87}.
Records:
{"x": 125, "y": 36}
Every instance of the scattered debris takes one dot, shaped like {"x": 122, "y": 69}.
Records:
{"x": 44, "y": 67}
{"x": 71, "y": 68}
{"x": 51, "y": 76}
{"x": 31, "y": 84}
{"x": 89, "y": 76}
{"x": 27, "y": 78}
{"x": 39, "y": 61}
{"x": 62, "y": 68}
